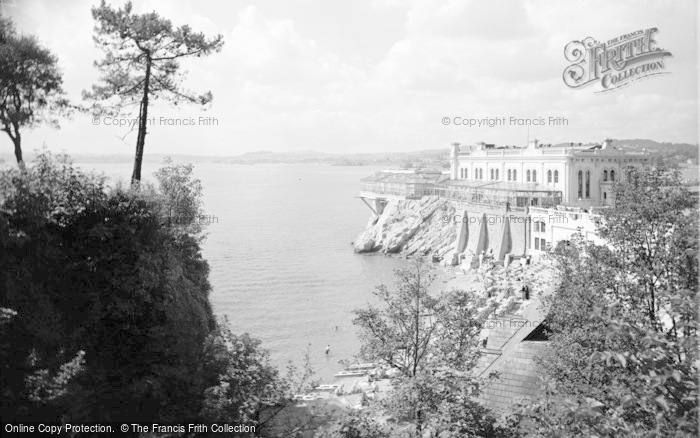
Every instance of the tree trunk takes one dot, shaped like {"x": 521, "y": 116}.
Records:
{"x": 17, "y": 140}
{"x": 143, "y": 118}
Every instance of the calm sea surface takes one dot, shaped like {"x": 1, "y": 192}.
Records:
{"x": 282, "y": 267}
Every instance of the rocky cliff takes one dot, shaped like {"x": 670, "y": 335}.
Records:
{"x": 410, "y": 227}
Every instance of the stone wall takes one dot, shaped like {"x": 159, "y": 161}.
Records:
{"x": 448, "y": 227}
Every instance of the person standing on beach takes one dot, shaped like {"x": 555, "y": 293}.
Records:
{"x": 328, "y": 348}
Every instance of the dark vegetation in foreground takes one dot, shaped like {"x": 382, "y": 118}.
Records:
{"x": 105, "y": 307}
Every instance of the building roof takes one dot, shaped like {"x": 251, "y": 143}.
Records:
{"x": 416, "y": 177}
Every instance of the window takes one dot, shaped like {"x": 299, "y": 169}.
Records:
{"x": 605, "y": 195}
{"x": 612, "y": 175}
{"x": 528, "y": 176}
{"x": 498, "y": 176}
{"x": 534, "y": 176}
{"x": 510, "y": 174}
{"x": 540, "y": 244}
{"x": 542, "y": 226}
{"x": 461, "y": 173}
{"x": 515, "y": 175}
{"x": 556, "y": 176}
{"x": 580, "y": 184}
{"x": 465, "y": 173}
{"x": 549, "y": 177}
{"x": 491, "y": 174}
{"x": 605, "y": 175}
{"x": 588, "y": 184}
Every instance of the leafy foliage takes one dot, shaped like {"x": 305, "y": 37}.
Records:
{"x": 432, "y": 343}
{"x": 142, "y": 61}
{"x": 31, "y": 85}
{"x": 247, "y": 382}
{"x": 181, "y": 197}
{"x": 104, "y": 309}
{"x": 624, "y": 324}
{"x": 96, "y": 272}
{"x": 355, "y": 424}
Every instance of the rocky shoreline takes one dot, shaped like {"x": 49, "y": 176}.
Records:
{"x": 410, "y": 227}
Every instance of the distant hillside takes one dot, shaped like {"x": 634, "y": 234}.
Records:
{"x": 666, "y": 148}
{"x": 673, "y": 153}
{"x": 119, "y": 158}
{"x": 429, "y": 158}
{"x": 679, "y": 152}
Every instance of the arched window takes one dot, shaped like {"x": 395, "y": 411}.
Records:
{"x": 556, "y": 176}
{"x": 534, "y": 176}
{"x": 588, "y": 184}
{"x": 492, "y": 174}
{"x": 528, "y": 176}
{"x": 510, "y": 174}
{"x": 498, "y": 174}
{"x": 605, "y": 175}
{"x": 580, "y": 184}
{"x": 549, "y": 176}
{"x": 612, "y": 175}
{"x": 515, "y": 175}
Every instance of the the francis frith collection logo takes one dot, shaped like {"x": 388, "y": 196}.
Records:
{"x": 615, "y": 63}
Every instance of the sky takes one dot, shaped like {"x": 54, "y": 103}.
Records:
{"x": 380, "y": 75}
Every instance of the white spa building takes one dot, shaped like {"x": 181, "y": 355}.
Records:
{"x": 578, "y": 177}
{"x": 584, "y": 174}
{"x": 545, "y": 193}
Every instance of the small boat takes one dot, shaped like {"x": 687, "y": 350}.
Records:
{"x": 306, "y": 397}
{"x": 362, "y": 366}
{"x": 350, "y": 373}
{"x": 326, "y": 387}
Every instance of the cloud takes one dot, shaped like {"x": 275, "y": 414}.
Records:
{"x": 283, "y": 83}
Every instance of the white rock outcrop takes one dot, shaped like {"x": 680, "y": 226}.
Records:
{"x": 410, "y": 227}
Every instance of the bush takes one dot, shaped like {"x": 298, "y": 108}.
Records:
{"x": 92, "y": 271}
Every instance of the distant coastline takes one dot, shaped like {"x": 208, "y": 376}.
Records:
{"x": 674, "y": 153}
